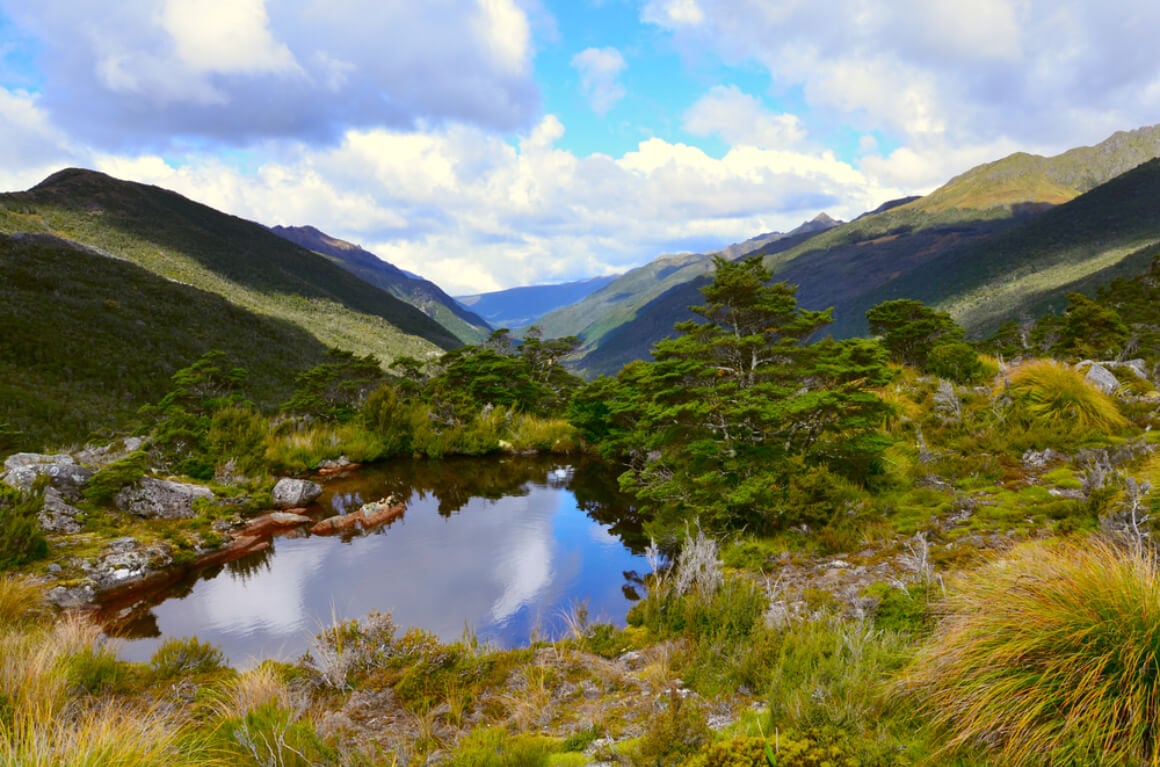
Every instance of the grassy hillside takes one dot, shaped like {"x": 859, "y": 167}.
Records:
{"x": 251, "y": 267}
{"x": 972, "y": 246}
{"x": 85, "y": 340}
{"x": 1111, "y": 231}
{"x": 424, "y": 295}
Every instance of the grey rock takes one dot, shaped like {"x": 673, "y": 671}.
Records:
{"x": 57, "y": 516}
{"x": 295, "y": 493}
{"x": 127, "y": 559}
{"x": 106, "y": 454}
{"x": 1100, "y": 377}
{"x": 72, "y": 597}
{"x": 64, "y": 473}
{"x": 152, "y": 498}
{"x": 1040, "y": 459}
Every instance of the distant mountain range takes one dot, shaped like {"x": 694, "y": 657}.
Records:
{"x": 107, "y": 287}
{"x": 520, "y": 307}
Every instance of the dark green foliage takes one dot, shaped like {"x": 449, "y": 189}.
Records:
{"x": 86, "y": 340}
{"x": 955, "y": 361}
{"x": 334, "y": 390}
{"x": 712, "y": 428}
{"x": 21, "y": 539}
{"x": 108, "y": 481}
{"x": 910, "y": 330}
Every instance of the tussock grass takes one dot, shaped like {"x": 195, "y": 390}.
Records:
{"x": 1053, "y": 394}
{"x": 1050, "y": 656}
{"x": 20, "y": 600}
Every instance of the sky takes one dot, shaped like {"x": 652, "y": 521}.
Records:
{"x": 487, "y": 144}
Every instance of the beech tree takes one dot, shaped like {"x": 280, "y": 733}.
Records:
{"x": 734, "y": 404}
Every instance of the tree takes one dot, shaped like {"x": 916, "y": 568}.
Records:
{"x": 713, "y": 427}
{"x": 910, "y": 329}
{"x": 334, "y": 390}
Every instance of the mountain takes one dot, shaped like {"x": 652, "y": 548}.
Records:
{"x": 943, "y": 240}
{"x": 86, "y": 340}
{"x": 622, "y": 300}
{"x": 520, "y": 307}
{"x": 424, "y": 295}
{"x": 239, "y": 260}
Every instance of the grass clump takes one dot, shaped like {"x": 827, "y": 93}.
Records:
{"x": 1049, "y": 656}
{"x": 1052, "y": 394}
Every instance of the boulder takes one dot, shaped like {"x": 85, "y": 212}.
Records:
{"x": 295, "y": 493}
{"x": 64, "y": 473}
{"x": 57, "y": 516}
{"x": 1101, "y": 378}
{"x": 159, "y": 498}
{"x": 128, "y": 559}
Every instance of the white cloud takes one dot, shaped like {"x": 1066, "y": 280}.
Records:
{"x": 163, "y": 72}
{"x": 966, "y": 74}
{"x": 229, "y": 36}
{"x": 739, "y": 118}
{"x": 673, "y": 12}
{"x": 599, "y": 70}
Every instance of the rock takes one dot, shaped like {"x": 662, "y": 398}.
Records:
{"x": 71, "y": 598}
{"x": 1100, "y": 377}
{"x": 267, "y": 524}
{"x": 152, "y": 498}
{"x": 291, "y": 493}
{"x": 1040, "y": 459}
{"x": 106, "y": 454}
{"x": 128, "y": 559}
{"x": 56, "y": 515}
{"x": 64, "y": 473}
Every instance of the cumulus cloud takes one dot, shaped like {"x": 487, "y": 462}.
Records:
{"x": 599, "y": 70}
{"x": 172, "y": 71}
{"x": 944, "y": 72}
{"x": 739, "y": 118}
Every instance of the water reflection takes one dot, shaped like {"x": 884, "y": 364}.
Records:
{"x": 502, "y": 548}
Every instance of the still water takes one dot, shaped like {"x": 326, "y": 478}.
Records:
{"x": 500, "y": 548}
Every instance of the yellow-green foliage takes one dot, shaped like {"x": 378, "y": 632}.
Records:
{"x": 495, "y": 747}
{"x": 20, "y": 600}
{"x": 1053, "y": 394}
{"x": 785, "y": 750}
{"x": 1049, "y": 656}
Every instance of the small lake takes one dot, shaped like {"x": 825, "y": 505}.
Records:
{"x": 502, "y": 548}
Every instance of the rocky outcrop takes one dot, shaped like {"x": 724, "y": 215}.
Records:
{"x": 63, "y": 472}
{"x": 295, "y": 493}
{"x": 97, "y": 457}
{"x": 152, "y": 498}
{"x": 368, "y": 517}
{"x": 1100, "y": 377}
{"x": 57, "y": 515}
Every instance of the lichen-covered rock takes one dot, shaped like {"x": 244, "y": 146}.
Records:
{"x": 295, "y": 493}
{"x": 97, "y": 457}
{"x": 127, "y": 559}
{"x": 57, "y": 515}
{"x": 1102, "y": 378}
{"x": 152, "y": 498}
{"x": 63, "y": 472}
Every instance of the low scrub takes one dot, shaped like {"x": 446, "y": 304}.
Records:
{"x": 1049, "y": 657}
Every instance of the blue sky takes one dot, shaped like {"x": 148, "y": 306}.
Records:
{"x": 494, "y": 143}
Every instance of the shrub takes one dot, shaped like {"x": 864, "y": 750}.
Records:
{"x": 495, "y": 747}
{"x": 956, "y": 361}
{"x": 1049, "y": 656}
{"x": 21, "y": 539}
{"x": 106, "y": 483}
{"x": 180, "y": 657}
{"x": 239, "y": 434}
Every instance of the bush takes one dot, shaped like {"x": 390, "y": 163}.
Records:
{"x": 955, "y": 361}
{"x": 494, "y": 747}
{"x": 106, "y": 483}
{"x": 182, "y": 657}
{"x": 21, "y": 539}
{"x": 1049, "y": 657}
